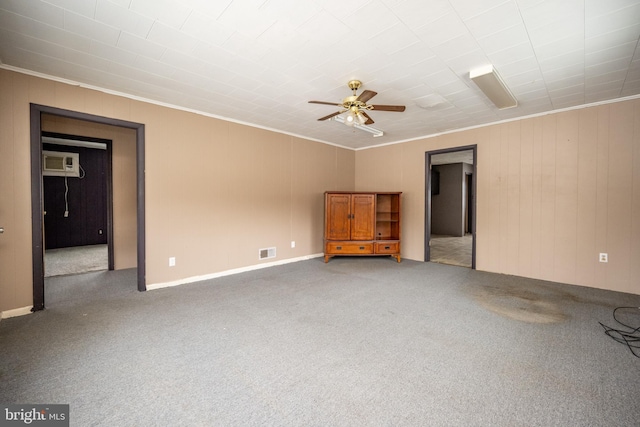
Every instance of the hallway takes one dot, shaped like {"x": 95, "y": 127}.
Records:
{"x": 452, "y": 250}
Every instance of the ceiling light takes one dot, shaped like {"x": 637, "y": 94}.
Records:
{"x": 376, "y": 132}
{"x": 492, "y": 85}
{"x": 350, "y": 118}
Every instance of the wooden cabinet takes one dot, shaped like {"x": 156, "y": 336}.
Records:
{"x": 358, "y": 223}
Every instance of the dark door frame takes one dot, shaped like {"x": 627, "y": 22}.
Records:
{"x": 37, "y": 203}
{"x": 109, "y": 185}
{"x": 472, "y": 207}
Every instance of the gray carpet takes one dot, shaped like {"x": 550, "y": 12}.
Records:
{"x": 355, "y": 342}
{"x": 74, "y": 260}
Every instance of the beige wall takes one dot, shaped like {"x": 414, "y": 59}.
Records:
{"x": 123, "y": 180}
{"x": 552, "y": 193}
{"x": 216, "y": 191}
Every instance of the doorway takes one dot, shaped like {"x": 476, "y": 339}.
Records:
{"x": 37, "y": 200}
{"x": 78, "y": 204}
{"x": 450, "y": 206}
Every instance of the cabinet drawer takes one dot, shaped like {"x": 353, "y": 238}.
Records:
{"x": 349, "y": 248}
{"x": 387, "y": 248}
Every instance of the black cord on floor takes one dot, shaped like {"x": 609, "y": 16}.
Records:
{"x": 630, "y": 337}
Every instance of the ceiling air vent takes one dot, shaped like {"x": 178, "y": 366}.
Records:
{"x": 267, "y": 253}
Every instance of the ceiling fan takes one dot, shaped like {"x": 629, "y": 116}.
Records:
{"x": 356, "y": 106}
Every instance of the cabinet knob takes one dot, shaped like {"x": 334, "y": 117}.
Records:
{"x": 1, "y": 230}
{"x": 361, "y": 247}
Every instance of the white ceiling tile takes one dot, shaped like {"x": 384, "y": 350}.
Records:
{"x": 121, "y": 3}
{"x": 557, "y": 84}
{"x": 127, "y": 20}
{"x": 291, "y": 12}
{"x": 343, "y": 8}
{"x": 553, "y": 14}
{"x": 568, "y": 101}
{"x": 630, "y": 88}
{"x": 140, "y": 46}
{"x": 169, "y": 12}
{"x": 370, "y": 20}
{"x": 609, "y": 22}
{"x": 465, "y": 63}
{"x": 564, "y": 91}
{"x": 82, "y": 7}
{"x": 456, "y": 47}
{"x": 504, "y": 39}
{"x": 443, "y": 29}
{"x": 264, "y": 59}
{"x": 607, "y": 40}
{"x": 598, "y": 7}
{"x": 515, "y": 58}
{"x": 204, "y": 28}
{"x": 324, "y": 28}
{"x": 90, "y": 28}
{"x": 153, "y": 66}
{"x": 412, "y": 54}
{"x": 43, "y": 12}
{"x": 548, "y": 34}
{"x": 470, "y": 8}
{"x": 394, "y": 39}
{"x": 492, "y": 21}
{"x": 562, "y": 52}
{"x": 440, "y": 78}
{"x": 525, "y": 81}
{"x": 246, "y": 17}
{"x": 208, "y": 7}
{"x": 283, "y": 37}
{"x": 615, "y": 52}
{"x": 614, "y": 76}
{"x": 171, "y": 38}
{"x": 86, "y": 59}
{"x": 607, "y": 67}
{"x": 414, "y": 14}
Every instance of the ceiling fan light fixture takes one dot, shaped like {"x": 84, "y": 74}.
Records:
{"x": 489, "y": 82}
{"x": 350, "y": 118}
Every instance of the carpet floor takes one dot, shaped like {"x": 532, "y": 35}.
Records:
{"x": 354, "y": 342}
{"x": 74, "y": 260}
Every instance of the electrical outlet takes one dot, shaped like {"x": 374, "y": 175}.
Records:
{"x": 293, "y": 244}
{"x": 604, "y": 257}
{"x": 172, "y": 261}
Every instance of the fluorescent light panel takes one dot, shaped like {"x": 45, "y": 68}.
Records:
{"x": 374, "y": 131}
{"x": 489, "y": 82}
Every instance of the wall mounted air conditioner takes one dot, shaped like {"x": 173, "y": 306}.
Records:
{"x": 56, "y": 163}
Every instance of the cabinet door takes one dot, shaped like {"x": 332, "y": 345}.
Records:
{"x": 337, "y": 217}
{"x": 362, "y": 216}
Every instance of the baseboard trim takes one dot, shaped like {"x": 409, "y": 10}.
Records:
{"x": 16, "y": 312}
{"x": 194, "y": 279}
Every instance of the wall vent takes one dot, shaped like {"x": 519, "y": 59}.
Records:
{"x": 267, "y": 253}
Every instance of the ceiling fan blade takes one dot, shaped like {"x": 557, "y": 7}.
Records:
{"x": 366, "y": 95}
{"x": 369, "y": 119}
{"x": 329, "y": 116}
{"x": 398, "y": 108}
{"x": 325, "y": 103}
